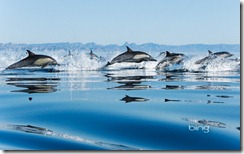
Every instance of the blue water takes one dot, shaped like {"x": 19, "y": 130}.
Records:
{"x": 72, "y": 108}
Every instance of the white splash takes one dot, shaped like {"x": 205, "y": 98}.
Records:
{"x": 80, "y": 60}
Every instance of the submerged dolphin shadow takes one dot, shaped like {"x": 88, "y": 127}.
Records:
{"x": 129, "y": 99}
{"x": 49, "y": 134}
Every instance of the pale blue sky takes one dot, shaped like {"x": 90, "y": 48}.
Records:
{"x": 174, "y": 22}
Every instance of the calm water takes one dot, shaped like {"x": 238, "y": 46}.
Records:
{"x": 133, "y": 109}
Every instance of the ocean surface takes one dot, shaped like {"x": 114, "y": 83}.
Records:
{"x": 80, "y": 105}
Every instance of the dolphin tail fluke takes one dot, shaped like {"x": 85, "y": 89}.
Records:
{"x": 129, "y": 49}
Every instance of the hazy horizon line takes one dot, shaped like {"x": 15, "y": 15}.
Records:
{"x": 123, "y": 43}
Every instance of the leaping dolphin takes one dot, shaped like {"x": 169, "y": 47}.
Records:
{"x": 92, "y": 55}
{"x": 222, "y": 54}
{"x": 211, "y": 56}
{"x": 131, "y": 56}
{"x": 34, "y": 60}
{"x": 170, "y": 59}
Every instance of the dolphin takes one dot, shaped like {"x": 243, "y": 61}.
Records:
{"x": 131, "y": 56}
{"x": 92, "y": 55}
{"x": 170, "y": 59}
{"x": 69, "y": 54}
{"x": 206, "y": 122}
{"x": 34, "y": 60}
{"x": 128, "y": 99}
{"x": 169, "y": 100}
{"x": 222, "y": 54}
{"x": 29, "y": 129}
{"x": 211, "y": 56}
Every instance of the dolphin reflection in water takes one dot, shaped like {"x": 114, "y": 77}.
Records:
{"x": 34, "y": 85}
{"x": 131, "y": 86}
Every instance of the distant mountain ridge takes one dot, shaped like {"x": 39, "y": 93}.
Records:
{"x": 147, "y": 47}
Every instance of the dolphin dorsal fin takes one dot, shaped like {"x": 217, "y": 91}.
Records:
{"x": 167, "y": 54}
{"x": 128, "y": 49}
{"x": 91, "y": 52}
{"x": 30, "y": 53}
{"x": 126, "y": 96}
{"x": 210, "y": 52}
